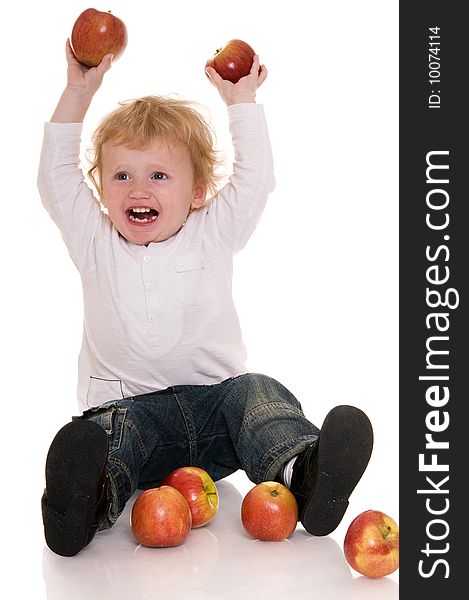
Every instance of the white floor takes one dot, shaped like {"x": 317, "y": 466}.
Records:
{"x": 218, "y": 561}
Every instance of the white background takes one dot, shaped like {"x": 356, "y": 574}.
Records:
{"x": 317, "y": 285}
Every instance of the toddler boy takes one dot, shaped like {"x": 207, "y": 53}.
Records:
{"x": 162, "y": 377}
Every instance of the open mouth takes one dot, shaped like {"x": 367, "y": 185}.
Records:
{"x": 142, "y": 215}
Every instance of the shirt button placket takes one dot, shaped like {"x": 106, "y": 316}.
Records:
{"x": 150, "y": 298}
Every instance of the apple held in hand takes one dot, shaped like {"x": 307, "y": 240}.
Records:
{"x": 269, "y": 512}
{"x": 371, "y": 544}
{"x": 232, "y": 61}
{"x": 160, "y": 517}
{"x": 199, "y": 490}
{"x": 96, "y": 34}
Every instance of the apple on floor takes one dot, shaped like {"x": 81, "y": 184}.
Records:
{"x": 371, "y": 544}
{"x": 199, "y": 490}
{"x": 160, "y": 517}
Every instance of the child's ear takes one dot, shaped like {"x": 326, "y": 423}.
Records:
{"x": 198, "y": 197}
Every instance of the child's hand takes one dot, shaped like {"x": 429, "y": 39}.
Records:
{"x": 242, "y": 91}
{"x": 82, "y": 83}
{"x": 83, "y": 79}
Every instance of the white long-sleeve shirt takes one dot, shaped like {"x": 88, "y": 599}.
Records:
{"x": 162, "y": 314}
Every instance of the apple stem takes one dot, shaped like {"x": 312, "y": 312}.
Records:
{"x": 274, "y": 493}
{"x": 386, "y": 532}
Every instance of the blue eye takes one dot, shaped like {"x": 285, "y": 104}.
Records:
{"x": 159, "y": 175}
{"x": 122, "y": 176}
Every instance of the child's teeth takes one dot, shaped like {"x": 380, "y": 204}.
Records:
{"x": 135, "y": 214}
{"x": 144, "y": 220}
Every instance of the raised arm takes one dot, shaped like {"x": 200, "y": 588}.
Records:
{"x": 235, "y": 211}
{"x": 82, "y": 84}
{"x": 61, "y": 182}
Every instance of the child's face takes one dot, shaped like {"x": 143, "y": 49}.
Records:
{"x": 148, "y": 191}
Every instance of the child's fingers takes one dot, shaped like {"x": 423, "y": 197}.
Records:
{"x": 214, "y": 77}
{"x": 255, "y": 65}
{"x": 68, "y": 50}
{"x": 71, "y": 58}
{"x": 105, "y": 64}
{"x": 262, "y": 75}
{"x": 209, "y": 75}
{"x": 259, "y": 71}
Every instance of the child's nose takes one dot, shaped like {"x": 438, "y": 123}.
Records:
{"x": 139, "y": 190}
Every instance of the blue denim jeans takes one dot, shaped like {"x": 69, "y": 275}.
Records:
{"x": 250, "y": 422}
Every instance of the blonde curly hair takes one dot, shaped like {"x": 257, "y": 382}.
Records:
{"x": 139, "y": 122}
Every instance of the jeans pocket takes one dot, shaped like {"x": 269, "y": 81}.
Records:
{"x": 112, "y": 421}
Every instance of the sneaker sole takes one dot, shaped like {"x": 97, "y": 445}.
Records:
{"x": 344, "y": 449}
{"x": 75, "y": 472}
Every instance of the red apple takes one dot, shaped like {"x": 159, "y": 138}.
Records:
{"x": 232, "y": 61}
{"x": 269, "y": 512}
{"x": 198, "y": 489}
{"x": 95, "y": 34}
{"x": 371, "y": 544}
{"x": 160, "y": 517}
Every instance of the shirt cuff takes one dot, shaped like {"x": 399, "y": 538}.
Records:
{"x": 59, "y": 129}
{"x": 247, "y": 108}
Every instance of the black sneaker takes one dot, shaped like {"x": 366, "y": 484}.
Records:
{"x": 326, "y": 473}
{"x": 76, "y": 498}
